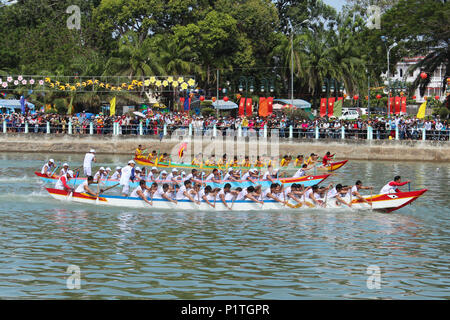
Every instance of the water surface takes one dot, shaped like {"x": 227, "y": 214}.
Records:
{"x": 315, "y": 254}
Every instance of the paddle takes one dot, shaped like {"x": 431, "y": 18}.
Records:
{"x": 110, "y": 188}
{"x": 69, "y": 197}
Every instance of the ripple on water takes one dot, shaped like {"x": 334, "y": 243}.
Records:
{"x": 124, "y": 254}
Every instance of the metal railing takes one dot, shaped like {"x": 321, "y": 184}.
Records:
{"x": 164, "y": 130}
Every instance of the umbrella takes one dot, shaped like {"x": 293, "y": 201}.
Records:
{"x": 140, "y": 114}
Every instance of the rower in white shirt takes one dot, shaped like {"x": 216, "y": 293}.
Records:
{"x": 48, "y": 167}
{"x": 64, "y": 169}
{"x": 116, "y": 174}
{"x": 153, "y": 174}
{"x": 142, "y": 192}
{"x": 100, "y": 175}
{"x": 302, "y": 171}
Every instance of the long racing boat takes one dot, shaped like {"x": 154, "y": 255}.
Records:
{"x": 306, "y": 181}
{"x": 380, "y": 202}
{"x": 333, "y": 166}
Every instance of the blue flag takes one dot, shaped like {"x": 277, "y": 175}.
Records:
{"x": 187, "y": 103}
{"x": 22, "y": 103}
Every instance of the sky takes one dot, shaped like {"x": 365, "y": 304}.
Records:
{"x": 337, "y": 4}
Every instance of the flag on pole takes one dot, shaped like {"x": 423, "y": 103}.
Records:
{"x": 263, "y": 107}
{"x": 397, "y": 105}
{"x": 112, "y": 106}
{"x": 323, "y": 107}
{"x": 270, "y": 105}
{"x": 22, "y": 103}
{"x": 242, "y": 107}
{"x": 181, "y": 150}
{"x": 391, "y": 105}
{"x": 403, "y": 105}
{"x": 422, "y": 108}
{"x": 330, "y": 106}
{"x": 337, "y": 108}
{"x": 249, "y": 109}
{"x": 187, "y": 104}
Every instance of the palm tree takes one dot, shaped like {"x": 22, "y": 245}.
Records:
{"x": 135, "y": 58}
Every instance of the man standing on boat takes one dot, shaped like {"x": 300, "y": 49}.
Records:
{"x": 127, "y": 175}
{"x": 392, "y": 186}
{"x": 87, "y": 164}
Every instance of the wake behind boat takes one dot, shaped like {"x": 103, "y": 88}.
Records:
{"x": 381, "y": 202}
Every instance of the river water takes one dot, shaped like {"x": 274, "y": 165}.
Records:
{"x": 315, "y": 254}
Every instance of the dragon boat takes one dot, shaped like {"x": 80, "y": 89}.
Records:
{"x": 333, "y": 166}
{"x": 381, "y": 202}
{"x": 306, "y": 181}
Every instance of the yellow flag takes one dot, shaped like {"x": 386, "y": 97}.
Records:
{"x": 112, "y": 107}
{"x": 421, "y": 112}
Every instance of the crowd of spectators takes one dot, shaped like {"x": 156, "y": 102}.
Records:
{"x": 153, "y": 123}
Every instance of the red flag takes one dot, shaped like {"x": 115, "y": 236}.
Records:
{"x": 270, "y": 105}
{"x": 403, "y": 109}
{"x": 181, "y": 150}
{"x": 397, "y": 105}
{"x": 323, "y": 107}
{"x": 340, "y": 98}
{"x": 242, "y": 107}
{"x": 263, "y": 107}
{"x": 249, "y": 107}
{"x": 391, "y": 102}
{"x": 330, "y": 106}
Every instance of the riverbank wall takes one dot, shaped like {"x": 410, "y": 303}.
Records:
{"x": 353, "y": 149}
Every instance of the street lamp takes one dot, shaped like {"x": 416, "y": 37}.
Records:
{"x": 292, "y": 57}
{"x": 249, "y": 85}
{"x": 383, "y": 38}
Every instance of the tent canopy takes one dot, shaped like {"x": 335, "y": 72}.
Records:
{"x": 224, "y": 105}
{"x": 298, "y": 103}
{"x": 6, "y": 103}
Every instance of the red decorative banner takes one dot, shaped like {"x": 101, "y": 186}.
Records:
{"x": 397, "y": 105}
{"x": 331, "y": 106}
{"x": 249, "y": 107}
{"x": 323, "y": 107}
{"x": 270, "y": 105}
{"x": 263, "y": 107}
{"x": 242, "y": 107}
{"x": 403, "y": 105}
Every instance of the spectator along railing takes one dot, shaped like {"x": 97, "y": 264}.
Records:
{"x": 165, "y": 130}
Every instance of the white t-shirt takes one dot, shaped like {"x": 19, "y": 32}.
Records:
{"x": 126, "y": 175}
{"x": 180, "y": 193}
{"x": 307, "y": 195}
{"x": 80, "y": 188}
{"x": 246, "y": 176}
{"x": 115, "y": 176}
{"x": 332, "y": 193}
{"x": 88, "y": 158}
{"x": 242, "y": 194}
{"x": 300, "y": 173}
{"x": 227, "y": 196}
{"x": 264, "y": 194}
{"x": 209, "y": 177}
{"x": 134, "y": 194}
{"x": 45, "y": 168}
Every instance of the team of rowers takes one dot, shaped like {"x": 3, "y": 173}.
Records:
{"x": 198, "y": 160}
{"x": 192, "y": 187}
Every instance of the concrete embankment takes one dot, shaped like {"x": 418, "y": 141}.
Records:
{"x": 345, "y": 149}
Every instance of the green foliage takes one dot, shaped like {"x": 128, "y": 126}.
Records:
{"x": 206, "y": 112}
{"x": 241, "y": 38}
{"x": 60, "y": 105}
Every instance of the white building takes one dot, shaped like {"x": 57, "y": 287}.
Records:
{"x": 434, "y": 87}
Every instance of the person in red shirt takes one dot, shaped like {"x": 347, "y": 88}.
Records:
{"x": 391, "y": 187}
{"x": 328, "y": 157}
{"x": 61, "y": 184}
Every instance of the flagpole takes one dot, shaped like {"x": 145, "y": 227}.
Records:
{"x": 217, "y": 95}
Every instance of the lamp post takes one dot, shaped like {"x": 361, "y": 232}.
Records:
{"x": 383, "y": 38}
{"x": 368, "y": 92}
{"x": 292, "y": 57}
{"x": 249, "y": 85}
